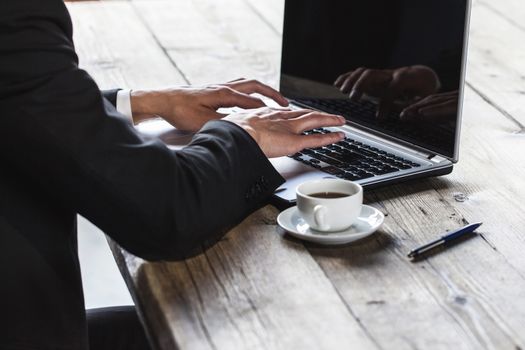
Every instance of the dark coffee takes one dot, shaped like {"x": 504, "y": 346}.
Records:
{"x": 329, "y": 195}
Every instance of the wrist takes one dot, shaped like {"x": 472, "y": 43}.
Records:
{"x": 251, "y": 131}
{"x": 245, "y": 125}
{"x": 145, "y": 104}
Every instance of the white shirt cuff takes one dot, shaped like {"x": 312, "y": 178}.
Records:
{"x": 124, "y": 104}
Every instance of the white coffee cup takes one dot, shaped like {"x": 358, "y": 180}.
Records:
{"x": 323, "y": 213}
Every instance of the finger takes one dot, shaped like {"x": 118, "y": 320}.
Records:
{"x": 431, "y": 100}
{"x": 277, "y": 114}
{"x": 431, "y": 114}
{"x": 349, "y": 82}
{"x": 263, "y": 111}
{"x": 220, "y": 115}
{"x": 370, "y": 81}
{"x": 233, "y": 98}
{"x": 409, "y": 112}
{"x": 433, "y": 111}
{"x": 413, "y": 109}
{"x": 438, "y": 111}
{"x": 236, "y": 80}
{"x": 319, "y": 140}
{"x": 341, "y": 79}
{"x": 316, "y": 120}
{"x": 254, "y": 86}
{"x": 454, "y": 93}
{"x": 393, "y": 91}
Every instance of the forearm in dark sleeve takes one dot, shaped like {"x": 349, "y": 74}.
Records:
{"x": 111, "y": 95}
{"x": 157, "y": 203}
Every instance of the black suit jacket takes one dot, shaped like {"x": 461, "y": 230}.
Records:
{"x": 65, "y": 150}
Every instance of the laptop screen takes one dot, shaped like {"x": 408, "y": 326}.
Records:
{"x": 393, "y": 66}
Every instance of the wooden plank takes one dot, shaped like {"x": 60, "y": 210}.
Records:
{"x": 209, "y": 41}
{"x": 496, "y": 67}
{"x": 117, "y": 49}
{"x": 490, "y": 179}
{"x": 270, "y": 11}
{"x": 253, "y": 290}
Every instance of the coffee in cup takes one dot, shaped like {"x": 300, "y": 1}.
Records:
{"x": 329, "y": 205}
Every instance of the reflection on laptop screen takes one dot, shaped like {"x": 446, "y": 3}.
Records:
{"x": 394, "y": 66}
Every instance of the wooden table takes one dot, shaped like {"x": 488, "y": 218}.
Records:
{"x": 258, "y": 288}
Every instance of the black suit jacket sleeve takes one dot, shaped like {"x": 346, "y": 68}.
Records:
{"x": 111, "y": 96}
{"x": 58, "y": 132}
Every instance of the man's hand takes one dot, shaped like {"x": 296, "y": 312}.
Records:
{"x": 389, "y": 85}
{"x": 434, "y": 108}
{"x": 189, "y": 108}
{"x": 279, "y": 132}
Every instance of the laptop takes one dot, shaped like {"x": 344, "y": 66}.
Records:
{"x": 394, "y": 69}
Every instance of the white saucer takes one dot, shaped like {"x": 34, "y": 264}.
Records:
{"x": 367, "y": 223}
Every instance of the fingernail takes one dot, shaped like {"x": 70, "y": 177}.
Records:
{"x": 342, "y": 119}
{"x": 341, "y": 135}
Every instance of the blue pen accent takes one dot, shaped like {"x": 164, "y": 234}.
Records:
{"x": 460, "y": 232}
{"x": 445, "y": 239}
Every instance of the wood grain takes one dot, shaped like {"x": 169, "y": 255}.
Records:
{"x": 214, "y": 41}
{"x": 258, "y": 288}
{"x": 117, "y": 49}
{"x": 497, "y": 69}
{"x": 254, "y": 290}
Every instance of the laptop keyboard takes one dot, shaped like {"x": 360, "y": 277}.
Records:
{"x": 352, "y": 160}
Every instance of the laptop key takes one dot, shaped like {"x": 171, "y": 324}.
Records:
{"x": 308, "y": 151}
{"x": 404, "y": 166}
{"x": 352, "y": 169}
{"x": 350, "y": 176}
{"x": 366, "y": 153}
{"x": 333, "y": 171}
{"x": 329, "y": 161}
{"x": 385, "y": 170}
{"x": 365, "y": 175}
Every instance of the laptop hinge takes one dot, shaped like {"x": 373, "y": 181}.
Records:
{"x": 435, "y": 158}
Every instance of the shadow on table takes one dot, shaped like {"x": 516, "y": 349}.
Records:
{"x": 408, "y": 188}
{"x": 363, "y": 253}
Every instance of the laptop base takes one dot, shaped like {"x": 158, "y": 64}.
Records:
{"x": 283, "y": 203}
